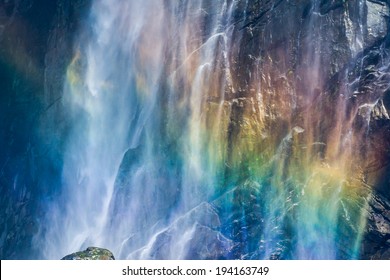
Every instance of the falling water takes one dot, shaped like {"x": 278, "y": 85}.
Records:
{"x": 176, "y": 150}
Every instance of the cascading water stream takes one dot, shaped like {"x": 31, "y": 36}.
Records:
{"x": 176, "y": 151}
{"x": 107, "y": 100}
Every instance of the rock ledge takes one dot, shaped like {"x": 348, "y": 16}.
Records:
{"x": 92, "y": 253}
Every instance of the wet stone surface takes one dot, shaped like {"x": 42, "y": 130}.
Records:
{"x": 91, "y": 253}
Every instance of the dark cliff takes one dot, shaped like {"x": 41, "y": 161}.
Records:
{"x": 36, "y": 41}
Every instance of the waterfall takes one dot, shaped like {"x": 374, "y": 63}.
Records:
{"x": 194, "y": 133}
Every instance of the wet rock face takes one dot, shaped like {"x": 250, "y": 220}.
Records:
{"x": 35, "y": 48}
{"x": 24, "y": 29}
{"x": 91, "y": 253}
{"x": 338, "y": 52}
{"x": 377, "y": 25}
{"x": 377, "y": 237}
{"x": 351, "y": 47}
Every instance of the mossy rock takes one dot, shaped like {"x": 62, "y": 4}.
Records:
{"x": 92, "y": 253}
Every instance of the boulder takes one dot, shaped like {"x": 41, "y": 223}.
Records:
{"x": 91, "y": 253}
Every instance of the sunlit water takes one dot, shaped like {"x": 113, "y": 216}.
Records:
{"x": 160, "y": 156}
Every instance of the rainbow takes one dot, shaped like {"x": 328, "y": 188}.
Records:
{"x": 170, "y": 116}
